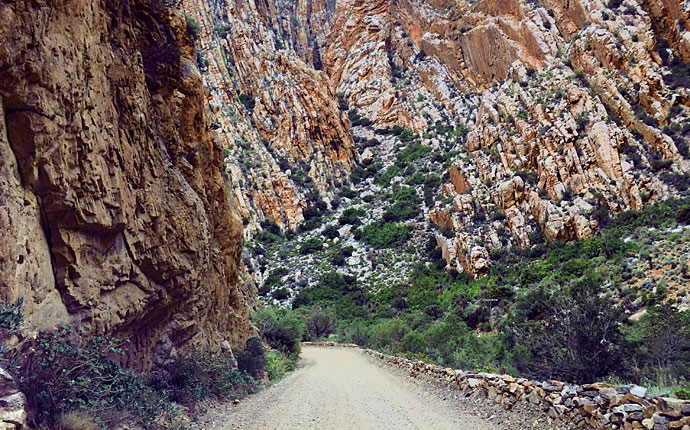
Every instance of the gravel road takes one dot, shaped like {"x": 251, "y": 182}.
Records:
{"x": 341, "y": 388}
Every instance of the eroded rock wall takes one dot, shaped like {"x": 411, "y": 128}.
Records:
{"x": 115, "y": 214}
{"x": 272, "y": 108}
{"x": 568, "y": 105}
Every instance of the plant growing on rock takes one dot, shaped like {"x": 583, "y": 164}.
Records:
{"x": 65, "y": 374}
{"x": 11, "y": 317}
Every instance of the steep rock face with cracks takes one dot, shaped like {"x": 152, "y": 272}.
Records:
{"x": 542, "y": 115}
{"x": 115, "y": 209}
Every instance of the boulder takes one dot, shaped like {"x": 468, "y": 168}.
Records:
{"x": 367, "y": 157}
{"x": 670, "y": 407}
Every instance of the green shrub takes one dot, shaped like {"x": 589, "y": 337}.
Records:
{"x": 579, "y": 339}
{"x": 320, "y": 323}
{"x": 534, "y": 273}
{"x": 683, "y": 215}
{"x": 252, "y": 360}
{"x": 384, "y": 178}
{"x": 382, "y": 234}
{"x": 311, "y": 245}
{"x": 658, "y": 165}
{"x": 278, "y": 365}
{"x": 281, "y": 328}
{"x": 248, "y": 102}
{"x": 683, "y": 392}
{"x": 414, "y": 343}
{"x": 351, "y": 216}
{"x": 406, "y": 205}
{"x": 197, "y": 376}
{"x": 660, "y": 342}
{"x": 412, "y": 152}
{"x": 431, "y": 184}
{"x": 192, "y": 27}
{"x": 222, "y": 30}
{"x": 64, "y": 374}
{"x": 11, "y": 317}
{"x": 388, "y": 334}
{"x": 330, "y": 232}
{"x": 281, "y": 293}
{"x": 338, "y": 260}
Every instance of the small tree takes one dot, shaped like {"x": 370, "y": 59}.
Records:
{"x": 579, "y": 339}
{"x": 321, "y": 323}
{"x": 281, "y": 328}
{"x": 253, "y": 359}
{"x": 661, "y": 338}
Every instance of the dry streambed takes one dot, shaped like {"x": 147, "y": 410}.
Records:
{"x": 341, "y": 388}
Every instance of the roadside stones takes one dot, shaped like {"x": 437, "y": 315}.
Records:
{"x": 575, "y": 406}
{"x": 671, "y": 407}
{"x": 12, "y": 403}
{"x": 638, "y": 391}
{"x": 534, "y": 397}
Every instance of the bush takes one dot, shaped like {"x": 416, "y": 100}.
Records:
{"x": 351, "y": 216}
{"x": 281, "y": 328}
{"x": 252, "y": 360}
{"x": 330, "y": 232}
{"x": 660, "y": 340}
{"x": 683, "y": 392}
{"x": 384, "y": 178}
{"x": 412, "y": 152}
{"x": 579, "y": 339}
{"x": 338, "y": 260}
{"x": 278, "y": 365}
{"x": 678, "y": 180}
{"x": 64, "y": 374}
{"x": 281, "y": 294}
{"x": 11, "y": 317}
{"x": 197, "y": 376}
{"x": 382, "y": 234}
{"x": 683, "y": 215}
{"x": 248, "y": 102}
{"x": 192, "y": 27}
{"x": 658, "y": 165}
{"x": 320, "y": 323}
{"x": 311, "y": 245}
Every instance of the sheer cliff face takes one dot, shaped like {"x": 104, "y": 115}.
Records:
{"x": 570, "y": 105}
{"x": 114, "y": 211}
{"x": 273, "y": 111}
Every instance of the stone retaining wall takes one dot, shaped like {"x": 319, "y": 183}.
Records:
{"x": 576, "y": 406}
{"x": 593, "y": 405}
{"x": 340, "y": 345}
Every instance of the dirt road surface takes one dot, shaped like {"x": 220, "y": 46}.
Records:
{"x": 341, "y": 388}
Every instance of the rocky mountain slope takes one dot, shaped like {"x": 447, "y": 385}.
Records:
{"x": 114, "y": 208}
{"x": 537, "y": 117}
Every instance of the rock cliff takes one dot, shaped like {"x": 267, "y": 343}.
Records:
{"x": 115, "y": 211}
{"x": 545, "y": 113}
{"x": 514, "y": 121}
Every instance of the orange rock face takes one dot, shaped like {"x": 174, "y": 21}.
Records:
{"x": 114, "y": 209}
{"x": 273, "y": 111}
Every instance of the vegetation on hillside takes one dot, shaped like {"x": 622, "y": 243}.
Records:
{"x": 551, "y": 311}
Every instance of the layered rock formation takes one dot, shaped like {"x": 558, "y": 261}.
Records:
{"x": 115, "y": 214}
{"x": 571, "y": 106}
{"x": 272, "y": 109}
